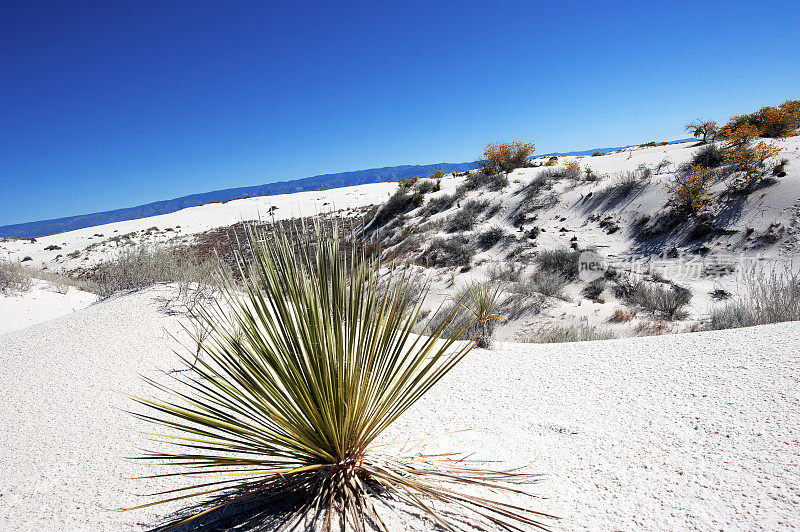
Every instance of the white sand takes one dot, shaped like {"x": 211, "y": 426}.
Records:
{"x": 41, "y": 303}
{"x": 693, "y": 431}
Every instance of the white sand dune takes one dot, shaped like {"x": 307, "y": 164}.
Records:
{"x": 691, "y": 431}
{"x": 41, "y": 303}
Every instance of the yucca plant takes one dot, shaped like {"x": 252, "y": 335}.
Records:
{"x": 483, "y": 302}
{"x": 306, "y": 364}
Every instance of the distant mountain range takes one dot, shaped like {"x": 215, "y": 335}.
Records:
{"x": 324, "y": 181}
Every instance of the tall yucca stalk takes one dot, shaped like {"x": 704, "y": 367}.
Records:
{"x": 305, "y": 365}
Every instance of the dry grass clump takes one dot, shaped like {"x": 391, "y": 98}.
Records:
{"x": 622, "y": 315}
{"x": 62, "y": 283}
{"x": 145, "y": 266}
{"x": 669, "y": 301}
{"x": 509, "y": 272}
{"x": 533, "y": 199}
{"x": 770, "y": 298}
{"x": 13, "y": 278}
{"x": 299, "y": 374}
{"x": 574, "y": 333}
{"x": 426, "y": 186}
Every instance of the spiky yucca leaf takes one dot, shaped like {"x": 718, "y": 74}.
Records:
{"x": 301, "y": 370}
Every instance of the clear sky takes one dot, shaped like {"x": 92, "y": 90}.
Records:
{"x": 107, "y": 104}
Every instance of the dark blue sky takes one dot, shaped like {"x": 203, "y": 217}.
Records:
{"x": 108, "y": 104}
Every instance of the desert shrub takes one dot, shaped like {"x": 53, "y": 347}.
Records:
{"x": 689, "y": 189}
{"x": 644, "y": 172}
{"x": 591, "y": 175}
{"x": 399, "y": 203}
{"x": 598, "y": 153}
{"x": 456, "y": 250}
{"x": 702, "y": 128}
{"x": 490, "y": 237}
{"x": 709, "y": 156}
{"x": 437, "y": 205}
{"x": 406, "y": 184}
{"x": 650, "y": 144}
{"x": 773, "y": 122}
{"x": 466, "y": 217}
{"x": 505, "y": 156}
{"x": 425, "y": 186}
{"x": 748, "y": 163}
{"x": 288, "y": 407}
{"x": 13, "y": 278}
{"x": 574, "y": 333}
{"x": 544, "y": 282}
{"x": 668, "y": 301}
{"x": 563, "y": 261}
{"x": 662, "y": 165}
{"x": 536, "y": 186}
{"x": 510, "y": 272}
{"x": 572, "y": 170}
{"x": 769, "y": 298}
{"x": 594, "y": 288}
{"x": 551, "y": 161}
{"x": 533, "y": 199}
{"x": 476, "y": 180}
{"x": 625, "y": 182}
{"x": 496, "y": 182}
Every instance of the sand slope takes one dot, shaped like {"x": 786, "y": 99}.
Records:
{"x": 694, "y": 431}
{"x": 42, "y": 303}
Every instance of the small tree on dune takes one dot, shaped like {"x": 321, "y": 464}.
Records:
{"x": 702, "y": 128}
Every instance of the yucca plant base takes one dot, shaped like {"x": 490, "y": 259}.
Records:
{"x": 300, "y": 371}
